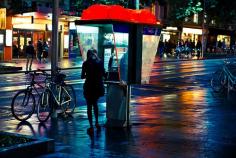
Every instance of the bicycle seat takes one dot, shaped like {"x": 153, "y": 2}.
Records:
{"x": 59, "y": 78}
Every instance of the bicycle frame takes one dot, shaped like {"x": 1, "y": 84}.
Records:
{"x": 57, "y": 96}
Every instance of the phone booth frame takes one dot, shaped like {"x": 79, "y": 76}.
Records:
{"x": 135, "y": 30}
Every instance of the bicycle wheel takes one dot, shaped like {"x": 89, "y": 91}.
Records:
{"x": 218, "y": 81}
{"x": 45, "y": 106}
{"x": 69, "y": 98}
{"x": 23, "y": 105}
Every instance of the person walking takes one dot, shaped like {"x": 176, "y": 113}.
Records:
{"x": 198, "y": 47}
{"x": 39, "y": 50}
{"x": 93, "y": 73}
{"x": 29, "y": 50}
{"x": 45, "y": 51}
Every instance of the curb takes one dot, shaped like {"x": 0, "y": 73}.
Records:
{"x": 38, "y": 146}
{"x": 9, "y": 69}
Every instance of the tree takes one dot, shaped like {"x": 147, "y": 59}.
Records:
{"x": 221, "y": 11}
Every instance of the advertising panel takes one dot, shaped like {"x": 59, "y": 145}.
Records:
{"x": 2, "y": 18}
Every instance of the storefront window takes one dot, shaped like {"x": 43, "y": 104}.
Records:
{"x": 149, "y": 46}
{"x": 191, "y": 34}
{"x": 88, "y": 39}
{"x": 225, "y": 40}
{"x": 1, "y": 46}
{"x": 195, "y": 18}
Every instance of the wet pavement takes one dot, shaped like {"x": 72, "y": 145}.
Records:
{"x": 19, "y": 65}
{"x": 177, "y": 115}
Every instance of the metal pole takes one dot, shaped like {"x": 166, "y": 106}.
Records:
{"x": 128, "y": 104}
{"x": 134, "y": 4}
{"x": 203, "y": 30}
{"x": 54, "y": 56}
{"x": 54, "y": 52}
{"x": 137, "y": 4}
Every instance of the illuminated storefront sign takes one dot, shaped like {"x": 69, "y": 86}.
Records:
{"x": 8, "y": 37}
{"x": 192, "y": 31}
{"x": 171, "y": 28}
{"x": 66, "y": 41}
{"x": 2, "y": 18}
{"x": 22, "y": 20}
{"x": 1, "y": 38}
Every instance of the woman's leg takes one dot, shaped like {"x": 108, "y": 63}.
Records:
{"x": 89, "y": 112}
{"x": 31, "y": 60}
{"x": 95, "y": 108}
{"x": 27, "y": 62}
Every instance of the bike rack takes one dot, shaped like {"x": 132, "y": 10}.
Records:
{"x": 230, "y": 71}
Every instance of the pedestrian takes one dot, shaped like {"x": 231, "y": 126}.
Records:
{"x": 161, "y": 48}
{"x": 29, "y": 50}
{"x": 93, "y": 73}
{"x": 45, "y": 51}
{"x": 39, "y": 50}
{"x": 198, "y": 47}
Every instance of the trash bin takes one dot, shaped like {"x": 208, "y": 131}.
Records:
{"x": 116, "y": 104}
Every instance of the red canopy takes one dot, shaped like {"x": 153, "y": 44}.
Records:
{"x": 119, "y": 13}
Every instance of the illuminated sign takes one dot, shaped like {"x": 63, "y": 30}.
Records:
{"x": 22, "y": 20}
{"x": 2, "y": 18}
{"x": 72, "y": 26}
{"x": 1, "y": 38}
{"x": 66, "y": 41}
{"x": 86, "y": 29}
{"x": 192, "y": 31}
{"x": 8, "y": 37}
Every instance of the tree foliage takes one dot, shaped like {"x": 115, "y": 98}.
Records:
{"x": 221, "y": 11}
{"x": 192, "y": 7}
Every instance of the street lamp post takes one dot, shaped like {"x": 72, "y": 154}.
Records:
{"x": 203, "y": 30}
{"x": 54, "y": 57}
{"x": 134, "y": 4}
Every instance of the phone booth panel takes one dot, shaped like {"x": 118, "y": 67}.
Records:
{"x": 127, "y": 44}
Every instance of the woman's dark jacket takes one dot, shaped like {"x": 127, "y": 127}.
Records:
{"x": 93, "y": 72}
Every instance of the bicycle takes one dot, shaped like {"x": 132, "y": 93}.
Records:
{"x": 223, "y": 78}
{"x": 23, "y": 103}
{"x": 56, "y": 94}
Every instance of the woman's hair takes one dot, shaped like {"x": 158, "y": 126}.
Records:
{"x": 94, "y": 51}
{"x": 89, "y": 53}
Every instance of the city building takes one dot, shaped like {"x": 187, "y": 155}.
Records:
{"x": 28, "y": 20}
{"x": 194, "y": 28}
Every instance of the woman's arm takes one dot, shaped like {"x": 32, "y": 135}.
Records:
{"x": 83, "y": 74}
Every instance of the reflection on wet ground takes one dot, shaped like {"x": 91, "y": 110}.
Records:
{"x": 175, "y": 116}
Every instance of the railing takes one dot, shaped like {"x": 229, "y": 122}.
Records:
{"x": 230, "y": 72}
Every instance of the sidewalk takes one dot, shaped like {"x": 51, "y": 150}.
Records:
{"x": 19, "y": 65}
{"x": 167, "y": 122}
{"x": 195, "y": 129}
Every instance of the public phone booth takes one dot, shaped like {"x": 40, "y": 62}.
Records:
{"x": 126, "y": 40}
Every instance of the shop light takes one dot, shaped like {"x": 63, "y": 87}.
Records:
{"x": 171, "y": 28}
{"x": 86, "y": 29}
{"x": 72, "y": 26}
{"x": 1, "y": 38}
{"x": 22, "y": 20}
{"x": 30, "y": 26}
{"x": 28, "y": 14}
{"x": 8, "y": 37}
{"x": 66, "y": 41}
{"x": 49, "y": 16}
{"x": 192, "y": 31}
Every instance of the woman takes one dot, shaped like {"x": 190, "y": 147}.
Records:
{"x": 93, "y": 73}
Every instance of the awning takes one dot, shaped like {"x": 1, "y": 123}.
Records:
{"x": 100, "y": 12}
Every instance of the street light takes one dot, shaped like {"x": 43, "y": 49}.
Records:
{"x": 54, "y": 57}
{"x": 203, "y": 28}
